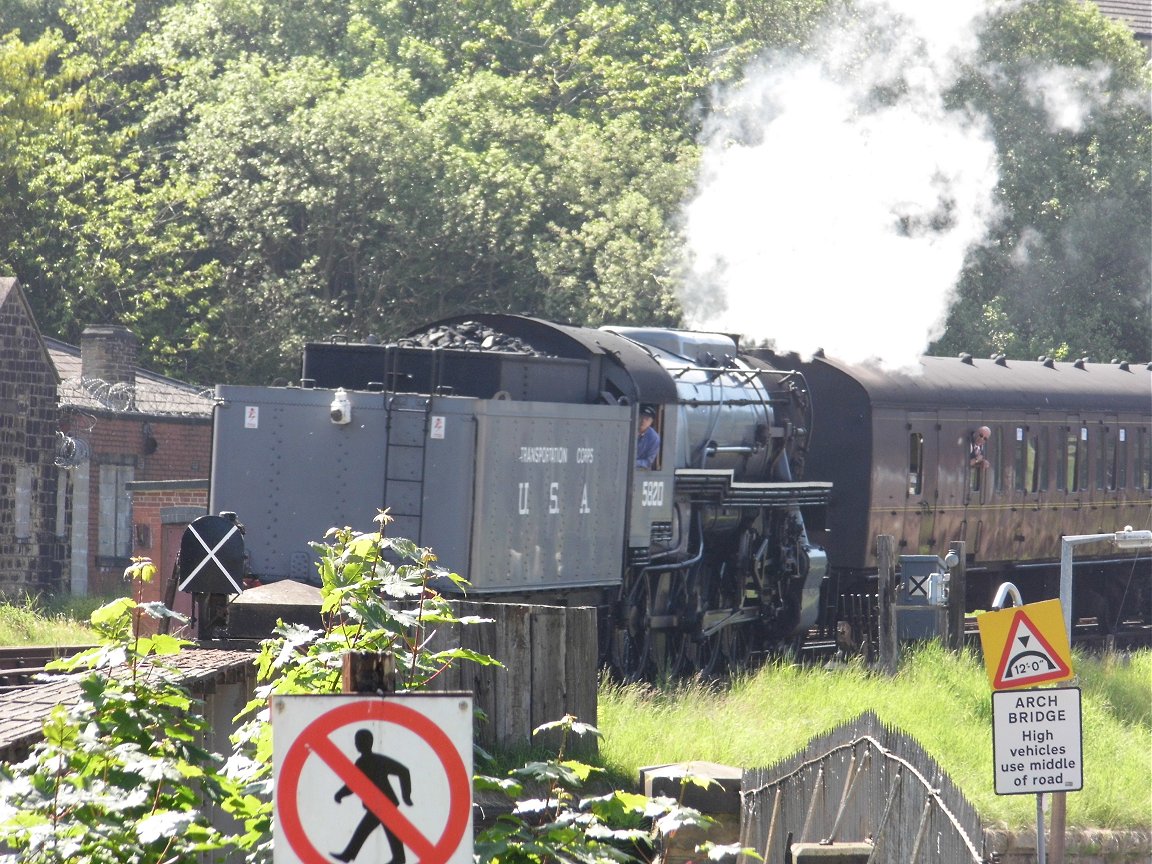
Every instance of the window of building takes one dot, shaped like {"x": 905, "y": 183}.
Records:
{"x": 23, "y": 515}
{"x": 115, "y": 540}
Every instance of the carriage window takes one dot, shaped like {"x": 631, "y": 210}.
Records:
{"x": 1120, "y": 469}
{"x": 998, "y": 459}
{"x": 1082, "y": 459}
{"x": 1106, "y": 466}
{"x": 1039, "y": 470}
{"x": 915, "y": 463}
{"x": 1105, "y": 456}
{"x": 1072, "y": 464}
{"x": 1143, "y": 461}
{"x": 1025, "y": 458}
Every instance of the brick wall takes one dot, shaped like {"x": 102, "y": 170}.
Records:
{"x": 33, "y": 554}
{"x": 149, "y": 448}
{"x": 161, "y": 511}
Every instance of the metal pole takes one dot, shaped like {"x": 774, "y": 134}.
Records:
{"x": 1041, "y": 856}
{"x": 1066, "y": 545}
{"x": 957, "y": 594}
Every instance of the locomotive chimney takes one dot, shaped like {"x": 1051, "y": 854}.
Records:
{"x": 109, "y": 353}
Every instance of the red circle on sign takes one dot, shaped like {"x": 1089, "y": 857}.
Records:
{"x": 459, "y": 783}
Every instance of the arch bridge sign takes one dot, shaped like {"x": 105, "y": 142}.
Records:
{"x": 1026, "y": 645}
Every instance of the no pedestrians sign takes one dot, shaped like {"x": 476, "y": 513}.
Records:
{"x": 373, "y": 779}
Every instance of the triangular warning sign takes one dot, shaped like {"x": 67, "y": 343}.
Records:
{"x": 1028, "y": 657}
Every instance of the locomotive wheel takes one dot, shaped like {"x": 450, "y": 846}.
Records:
{"x": 710, "y": 655}
{"x": 740, "y": 646}
{"x": 715, "y": 651}
{"x": 632, "y": 651}
{"x": 677, "y": 659}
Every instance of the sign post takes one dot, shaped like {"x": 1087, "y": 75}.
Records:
{"x": 369, "y": 778}
{"x": 1037, "y": 737}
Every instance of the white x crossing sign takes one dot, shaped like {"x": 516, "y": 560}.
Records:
{"x": 212, "y": 556}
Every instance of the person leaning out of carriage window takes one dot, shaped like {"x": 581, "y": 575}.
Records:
{"x": 976, "y": 455}
{"x": 647, "y": 438}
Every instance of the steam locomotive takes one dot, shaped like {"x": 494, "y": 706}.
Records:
{"x": 508, "y": 443}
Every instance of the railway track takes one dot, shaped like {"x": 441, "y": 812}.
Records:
{"x": 1087, "y": 635}
{"x": 20, "y": 665}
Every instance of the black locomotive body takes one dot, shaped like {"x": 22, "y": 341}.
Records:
{"x": 508, "y": 445}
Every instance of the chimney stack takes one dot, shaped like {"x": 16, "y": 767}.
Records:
{"x": 109, "y": 353}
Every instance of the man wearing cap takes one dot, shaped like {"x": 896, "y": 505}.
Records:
{"x": 648, "y": 439}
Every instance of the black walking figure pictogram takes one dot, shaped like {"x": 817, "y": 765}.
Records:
{"x": 376, "y": 767}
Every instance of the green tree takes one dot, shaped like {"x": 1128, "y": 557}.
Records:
{"x": 1068, "y": 272}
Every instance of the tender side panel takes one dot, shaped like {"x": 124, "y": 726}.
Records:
{"x": 550, "y": 501}
{"x": 431, "y": 475}
{"x": 290, "y": 473}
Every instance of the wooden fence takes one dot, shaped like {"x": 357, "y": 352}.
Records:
{"x": 861, "y": 782}
{"x": 550, "y": 667}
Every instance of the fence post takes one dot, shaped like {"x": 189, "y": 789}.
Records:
{"x": 368, "y": 672}
{"x": 886, "y": 572}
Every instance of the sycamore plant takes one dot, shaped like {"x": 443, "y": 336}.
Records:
{"x": 377, "y": 596}
{"x": 560, "y": 826}
{"x": 120, "y": 776}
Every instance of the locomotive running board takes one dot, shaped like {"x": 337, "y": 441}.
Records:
{"x": 703, "y": 486}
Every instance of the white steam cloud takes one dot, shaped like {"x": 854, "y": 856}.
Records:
{"x": 1067, "y": 95}
{"x": 838, "y": 195}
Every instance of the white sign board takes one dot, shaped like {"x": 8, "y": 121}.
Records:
{"x": 1037, "y": 741}
{"x": 370, "y": 778}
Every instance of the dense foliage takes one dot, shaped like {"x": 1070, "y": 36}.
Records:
{"x": 232, "y": 177}
{"x": 123, "y": 776}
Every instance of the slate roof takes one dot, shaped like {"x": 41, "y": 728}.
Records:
{"x": 1137, "y": 14}
{"x": 23, "y": 712}
{"x": 153, "y": 394}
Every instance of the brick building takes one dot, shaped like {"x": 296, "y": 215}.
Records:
{"x": 100, "y": 460}
{"x": 33, "y": 548}
{"x": 147, "y": 440}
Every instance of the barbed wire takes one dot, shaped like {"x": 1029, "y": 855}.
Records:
{"x": 121, "y": 397}
{"x": 70, "y": 451}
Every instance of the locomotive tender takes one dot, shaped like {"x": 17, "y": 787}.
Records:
{"x": 507, "y": 444}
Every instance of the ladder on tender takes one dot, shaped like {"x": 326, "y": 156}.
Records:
{"x": 404, "y": 464}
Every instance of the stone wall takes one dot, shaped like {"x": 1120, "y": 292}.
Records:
{"x": 33, "y": 549}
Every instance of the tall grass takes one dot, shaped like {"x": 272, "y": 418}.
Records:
{"x": 38, "y": 622}
{"x": 941, "y": 699}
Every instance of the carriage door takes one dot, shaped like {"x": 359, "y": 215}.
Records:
{"x": 923, "y": 476}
